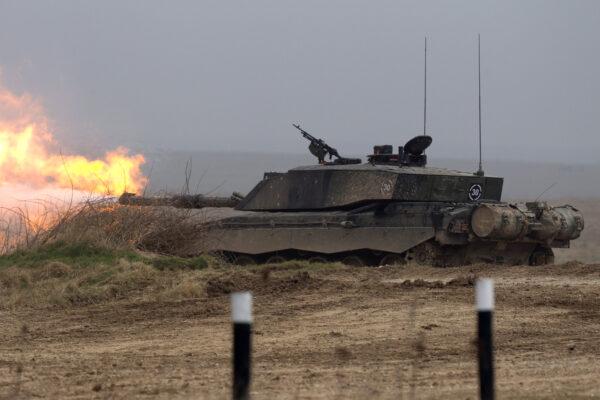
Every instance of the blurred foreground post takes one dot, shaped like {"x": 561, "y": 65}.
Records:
{"x": 484, "y": 300}
{"x": 241, "y": 315}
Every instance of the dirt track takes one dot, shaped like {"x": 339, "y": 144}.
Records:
{"x": 328, "y": 333}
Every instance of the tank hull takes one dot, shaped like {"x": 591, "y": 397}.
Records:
{"x": 439, "y": 234}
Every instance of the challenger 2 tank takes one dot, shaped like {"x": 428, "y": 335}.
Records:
{"x": 392, "y": 209}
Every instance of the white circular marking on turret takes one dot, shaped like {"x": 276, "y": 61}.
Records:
{"x": 475, "y": 192}
{"x": 386, "y": 187}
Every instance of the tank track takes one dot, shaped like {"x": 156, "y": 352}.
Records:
{"x": 429, "y": 253}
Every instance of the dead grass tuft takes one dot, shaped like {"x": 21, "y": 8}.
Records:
{"x": 61, "y": 285}
{"x": 62, "y": 275}
{"x": 96, "y": 251}
{"x": 102, "y": 222}
{"x": 53, "y": 269}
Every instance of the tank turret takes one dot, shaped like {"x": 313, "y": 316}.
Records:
{"x": 386, "y": 177}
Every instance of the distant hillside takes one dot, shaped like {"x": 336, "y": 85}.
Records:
{"x": 223, "y": 173}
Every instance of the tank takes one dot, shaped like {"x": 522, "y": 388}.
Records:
{"x": 391, "y": 209}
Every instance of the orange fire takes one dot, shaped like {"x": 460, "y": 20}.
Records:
{"x": 29, "y": 155}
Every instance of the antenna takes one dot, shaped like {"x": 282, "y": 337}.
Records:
{"x": 480, "y": 170}
{"x": 545, "y": 190}
{"x": 425, "y": 93}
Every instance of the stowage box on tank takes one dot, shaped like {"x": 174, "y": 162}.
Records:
{"x": 391, "y": 209}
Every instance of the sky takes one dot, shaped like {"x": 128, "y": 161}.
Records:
{"x": 234, "y": 76}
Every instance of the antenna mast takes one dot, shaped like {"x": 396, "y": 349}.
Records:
{"x": 425, "y": 93}
{"x": 480, "y": 170}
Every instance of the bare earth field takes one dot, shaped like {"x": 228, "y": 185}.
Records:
{"x": 320, "y": 332}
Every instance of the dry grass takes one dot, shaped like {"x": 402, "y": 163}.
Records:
{"x": 57, "y": 285}
{"x": 101, "y": 221}
{"x": 56, "y": 255}
{"x": 66, "y": 275}
{"x": 62, "y": 275}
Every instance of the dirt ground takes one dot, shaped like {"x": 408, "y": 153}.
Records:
{"x": 326, "y": 332}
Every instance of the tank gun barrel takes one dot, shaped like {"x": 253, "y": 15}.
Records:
{"x": 181, "y": 201}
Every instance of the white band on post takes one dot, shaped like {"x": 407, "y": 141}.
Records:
{"x": 484, "y": 295}
{"x": 241, "y": 307}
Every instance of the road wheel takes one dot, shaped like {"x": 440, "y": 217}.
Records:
{"x": 427, "y": 253}
{"x": 244, "y": 259}
{"x": 541, "y": 256}
{"x": 393, "y": 259}
{"x": 354, "y": 261}
{"x": 276, "y": 259}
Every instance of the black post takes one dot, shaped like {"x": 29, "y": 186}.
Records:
{"x": 484, "y": 298}
{"x": 241, "y": 315}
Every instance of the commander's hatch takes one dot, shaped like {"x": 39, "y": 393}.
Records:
{"x": 411, "y": 154}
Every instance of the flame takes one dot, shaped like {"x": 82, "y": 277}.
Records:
{"x": 28, "y": 155}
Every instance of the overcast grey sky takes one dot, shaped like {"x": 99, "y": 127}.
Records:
{"x": 216, "y": 75}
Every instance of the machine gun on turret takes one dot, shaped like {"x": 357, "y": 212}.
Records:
{"x": 320, "y": 149}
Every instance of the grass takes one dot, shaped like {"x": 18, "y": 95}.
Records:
{"x": 77, "y": 254}
{"x": 85, "y": 254}
{"x": 96, "y": 251}
{"x": 162, "y": 230}
{"x": 70, "y": 274}
{"x": 62, "y": 274}
{"x": 172, "y": 262}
